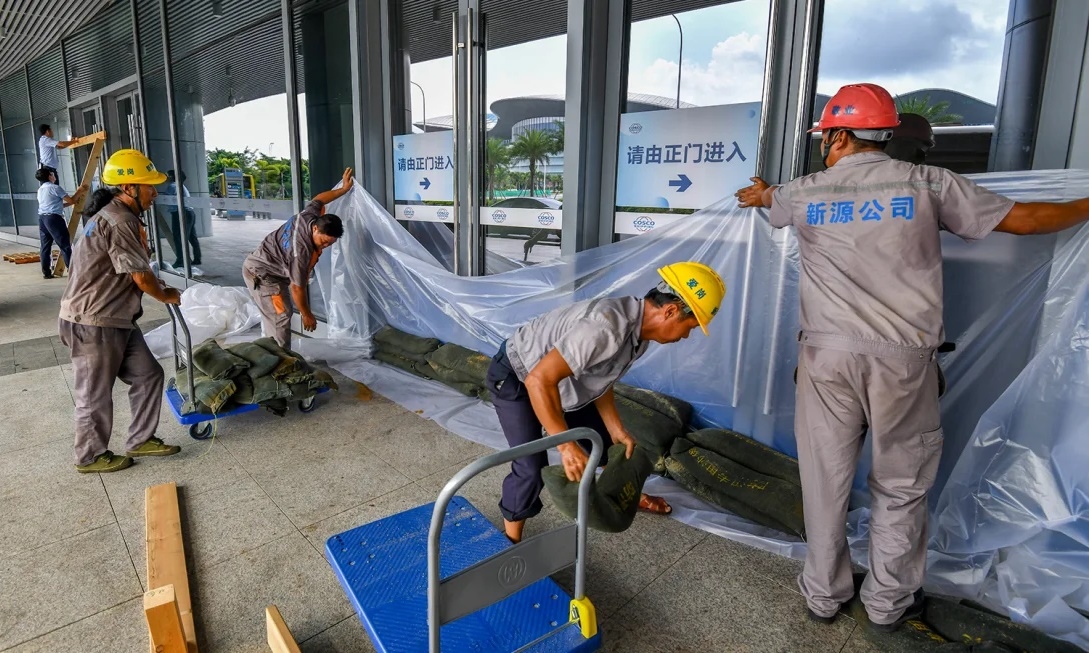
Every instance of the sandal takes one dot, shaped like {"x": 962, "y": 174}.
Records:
{"x": 656, "y": 505}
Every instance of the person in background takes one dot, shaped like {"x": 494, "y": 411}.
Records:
{"x": 110, "y": 274}
{"x": 171, "y": 190}
{"x": 871, "y": 325}
{"x": 911, "y": 140}
{"x": 51, "y": 225}
{"x": 48, "y": 146}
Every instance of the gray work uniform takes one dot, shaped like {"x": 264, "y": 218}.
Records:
{"x": 98, "y": 317}
{"x": 871, "y": 318}
{"x": 284, "y": 258}
{"x": 599, "y": 339}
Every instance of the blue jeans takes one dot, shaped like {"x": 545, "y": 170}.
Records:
{"x": 52, "y": 228}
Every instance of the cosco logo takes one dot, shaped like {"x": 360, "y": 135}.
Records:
{"x": 499, "y": 216}
{"x": 635, "y": 128}
{"x": 442, "y": 214}
{"x": 643, "y": 224}
{"x": 512, "y": 571}
{"x": 409, "y": 212}
{"x": 401, "y": 145}
{"x": 546, "y": 219}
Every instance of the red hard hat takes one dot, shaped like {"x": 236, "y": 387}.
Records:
{"x": 859, "y": 106}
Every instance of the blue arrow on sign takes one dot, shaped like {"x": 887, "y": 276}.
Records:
{"x": 682, "y": 182}
{"x": 426, "y": 183}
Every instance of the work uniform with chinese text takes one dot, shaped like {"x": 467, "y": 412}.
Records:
{"x": 871, "y": 318}
{"x": 599, "y": 340}
{"x": 98, "y": 316}
{"x": 284, "y": 258}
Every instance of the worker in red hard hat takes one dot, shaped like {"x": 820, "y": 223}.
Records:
{"x": 912, "y": 139}
{"x": 871, "y": 322}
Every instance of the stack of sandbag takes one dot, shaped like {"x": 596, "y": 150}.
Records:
{"x": 404, "y": 351}
{"x": 462, "y": 369}
{"x": 614, "y": 495}
{"x": 259, "y": 372}
{"x": 741, "y": 475}
{"x": 655, "y": 420}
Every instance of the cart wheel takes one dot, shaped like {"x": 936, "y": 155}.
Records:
{"x": 200, "y": 430}
{"x": 308, "y": 405}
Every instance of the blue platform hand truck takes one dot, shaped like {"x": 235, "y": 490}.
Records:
{"x": 441, "y": 577}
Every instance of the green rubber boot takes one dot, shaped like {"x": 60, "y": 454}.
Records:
{"x": 105, "y": 463}
{"x": 154, "y": 447}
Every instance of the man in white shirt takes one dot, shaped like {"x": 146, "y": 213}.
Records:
{"x": 48, "y": 146}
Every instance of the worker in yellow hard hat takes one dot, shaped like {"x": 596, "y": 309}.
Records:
{"x": 558, "y": 371}
{"x": 109, "y": 275}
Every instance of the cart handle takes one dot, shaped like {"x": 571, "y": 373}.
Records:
{"x": 176, "y": 321}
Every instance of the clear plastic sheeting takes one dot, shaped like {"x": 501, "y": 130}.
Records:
{"x": 210, "y": 312}
{"x": 1011, "y": 511}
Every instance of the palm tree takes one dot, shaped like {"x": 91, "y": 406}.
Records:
{"x": 534, "y": 147}
{"x": 936, "y": 113}
{"x": 496, "y": 160}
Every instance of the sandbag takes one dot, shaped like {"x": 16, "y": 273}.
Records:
{"x": 244, "y": 389}
{"x": 290, "y": 362}
{"x": 217, "y": 363}
{"x": 451, "y": 376}
{"x": 961, "y": 622}
{"x": 678, "y": 410}
{"x": 323, "y": 379}
{"x": 748, "y": 452}
{"x": 757, "y": 497}
{"x": 470, "y": 366}
{"x": 614, "y": 495}
{"x": 389, "y": 338}
{"x": 653, "y": 431}
{"x": 262, "y": 362}
{"x": 266, "y": 389}
{"x": 211, "y": 394}
{"x": 410, "y": 366}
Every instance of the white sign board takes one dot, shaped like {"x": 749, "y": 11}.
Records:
{"x": 423, "y": 167}
{"x": 686, "y": 158}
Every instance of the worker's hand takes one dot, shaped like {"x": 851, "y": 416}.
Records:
{"x": 346, "y": 178}
{"x": 574, "y": 460}
{"x": 623, "y": 437}
{"x": 752, "y": 195}
{"x": 172, "y": 296}
{"x": 309, "y": 322}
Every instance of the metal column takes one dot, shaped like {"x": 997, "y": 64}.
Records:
{"x": 290, "y": 87}
{"x": 377, "y": 90}
{"x": 175, "y": 149}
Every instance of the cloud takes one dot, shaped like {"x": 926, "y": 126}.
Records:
{"x": 735, "y": 73}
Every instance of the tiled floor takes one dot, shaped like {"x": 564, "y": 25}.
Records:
{"x": 259, "y": 501}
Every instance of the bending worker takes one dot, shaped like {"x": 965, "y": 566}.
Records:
{"x": 278, "y": 271}
{"x": 558, "y": 372}
{"x": 871, "y": 318}
{"x": 51, "y": 225}
{"x": 110, "y": 273}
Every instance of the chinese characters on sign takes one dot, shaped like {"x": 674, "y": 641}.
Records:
{"x": 693, "y": 153}
{"x": 423, "y": 168}
{"x": 843, "y": 211}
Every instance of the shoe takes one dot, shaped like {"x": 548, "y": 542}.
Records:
{"x": 914, "y": 611}
{"x": 47, "y": 276}
{"x": 154, "y": 447}
{"x": 813, "y": 616}
{"x": 104, "y": 463}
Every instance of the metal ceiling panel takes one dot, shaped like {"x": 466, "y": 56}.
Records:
{"x": 101, "y": 53}
{"x": 33, "y": 26}
{"x": 47, "y": 92}
{"x": 198, "y": 24}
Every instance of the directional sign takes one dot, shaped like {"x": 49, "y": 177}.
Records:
{"x": 423, "y": 167}
{"x": 686, "y": 158}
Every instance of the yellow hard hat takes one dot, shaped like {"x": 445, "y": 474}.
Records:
{"x": 131, "y": 167}
{"x": 698, "y": 286}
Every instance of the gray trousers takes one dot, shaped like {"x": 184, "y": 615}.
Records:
{"x": 895, "y": 391}
{"x": 100, "y": 355}
{"x": 274, "y": 301}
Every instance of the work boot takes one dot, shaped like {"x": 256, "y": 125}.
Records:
{"x": 104, "y": 463}
{"x": 154, "y": 447}
{"x": 813, "y": 616}
{"x": 913, "y": 611}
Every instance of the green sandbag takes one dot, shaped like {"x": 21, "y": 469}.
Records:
{"x": 290, "y": 362}
{"x": 652, "y": 430}
{"x": 217, "y": 363}
{"x": 752, "y": 495}
{"x": 266, "y": 388}
{"x": 261, "y": 361}
{"x": 300, "y": 391}
{"x": 748, "y": 452}
{"x": 471, "y": 366}
{"x": 412, "y": 367}
{"x": 961, "y": 622}
{"x": 211, "y": 394}
{"x": 678, "y": 410}
{"x": 614, "y": 495}
{"x": 391, "y": 339}
{"x": 450, "y": 375}
{"x": 244, "y": 389}
{"x": 323, "y": 379}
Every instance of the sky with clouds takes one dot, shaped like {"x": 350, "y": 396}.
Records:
{"x": 905, "y": 46}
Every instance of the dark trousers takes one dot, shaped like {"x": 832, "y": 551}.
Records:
{"x": 522, "y": 487}
{"x": 190, "y": 235}
{"x": 53, "y": 229}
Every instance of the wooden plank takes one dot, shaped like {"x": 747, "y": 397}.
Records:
{"x": 164, "y": 623}
{"x": 89, "y": 139}
{"x": 166, "y": 552}
{"x": 280, "y": 639}
{"x": 77, "y": 208}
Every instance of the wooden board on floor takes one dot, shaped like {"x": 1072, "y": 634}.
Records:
{"x": 166, "y": 552}
{"x": 77, "y": 208}
{"x": 280, "y": 639}
{"x": 164, "y": 623}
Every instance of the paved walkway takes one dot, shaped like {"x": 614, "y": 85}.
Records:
{"x": 260, "y": 499}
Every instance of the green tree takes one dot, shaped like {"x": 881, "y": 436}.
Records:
{"x": 534, "y": 147}
{"x": 496, "y": 162}
{"x": 937, "y": 113}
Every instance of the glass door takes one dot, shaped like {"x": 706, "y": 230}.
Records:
{"x": 126, "y": 121}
